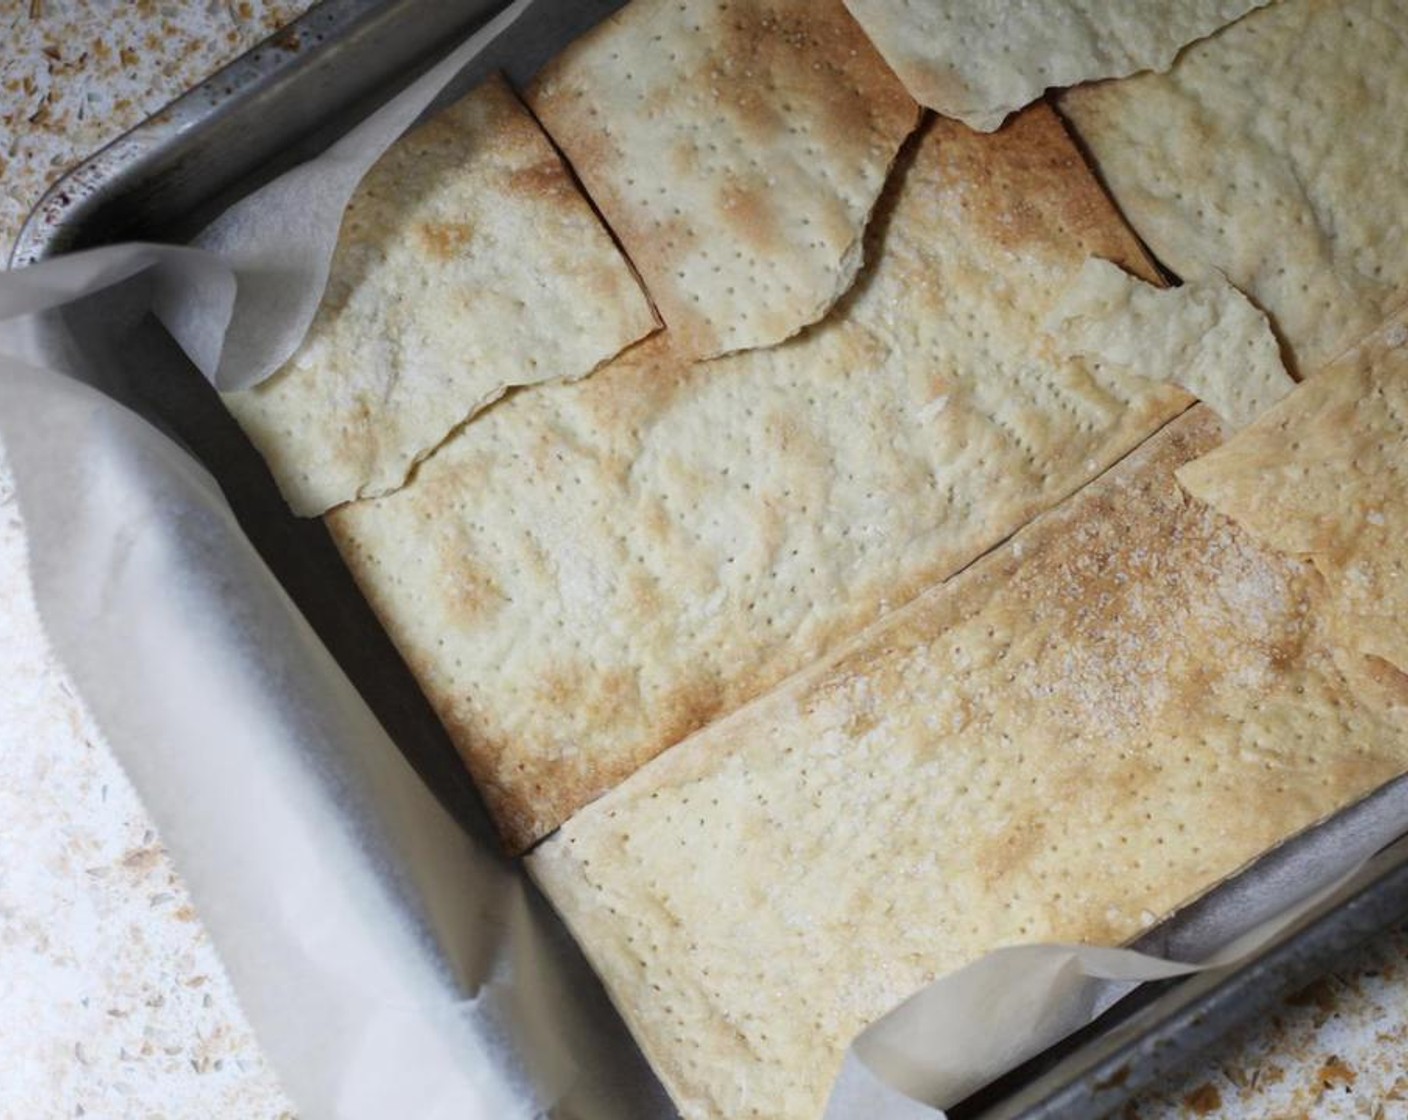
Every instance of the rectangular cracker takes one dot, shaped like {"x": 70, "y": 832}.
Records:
{"x": 1103, "y": 718}
{"x": 1324, "y": 476}
{"x": 590, "y": 572}
{"x": 1271, "y": 153}
{"x": 955, "y": 57}
{"x": 467, "y": 262}
{"x": 736, "y": 150}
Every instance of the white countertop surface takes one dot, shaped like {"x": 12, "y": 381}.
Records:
{"x": 112, "y": 1001}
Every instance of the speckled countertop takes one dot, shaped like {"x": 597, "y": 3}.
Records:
{"x": 112, "y": 1002}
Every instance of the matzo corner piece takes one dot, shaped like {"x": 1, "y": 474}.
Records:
{"x": 1324, "y": 476}
{"x": 467, "y": 262}
{"x": 590, "y": 572}
{"x": 1272, "y": 153}
{"x": 1102, "y": 719}
{"x": 736, "y": 149}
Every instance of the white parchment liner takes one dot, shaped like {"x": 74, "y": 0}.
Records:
{"x": 389, "y": 964}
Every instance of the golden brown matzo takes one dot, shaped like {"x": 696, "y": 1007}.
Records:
{"x": 736, "y": 150}
{"x": 1103, "y": 718}
{"x": 590, "y": 572}
{"x": 467, "y": 262}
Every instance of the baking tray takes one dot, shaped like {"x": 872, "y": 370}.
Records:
{"x": 284, "y": 101}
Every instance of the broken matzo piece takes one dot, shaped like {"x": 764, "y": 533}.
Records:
{"x": 467, "y": 262}
{"x": 1271, "y": 153}
{"x": 1057, "y": 745}
{"x": 736, "y": 150}
{"x": 1204, "y": 336}
{"x": 1324, "y": 475}
{"x": 979, "y": 62}
{"x": 590, "y": 572}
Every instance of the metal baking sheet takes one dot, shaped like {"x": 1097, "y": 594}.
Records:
{"x": 284, "y": 101}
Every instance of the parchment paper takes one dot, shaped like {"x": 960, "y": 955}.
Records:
{"x": 240, "y": 307}
{"x": 390, "y": 963}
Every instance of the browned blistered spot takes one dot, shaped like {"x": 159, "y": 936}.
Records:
{"x": 642, "y": 592}
{"x": 1026, "y": 188}
{"x": 635, "y": 387}
{"x": 653, "y": 245}
{"x": 445, "y": 240}
{"x": 184, "y": 913}
{"x": 687, "y": 161}
{"x": 604, "y": 689}
{"x": 358, "y": 437}
{"x": 535, "y": 786}
{"x": 812, "y": 54}
{"x": 656, "y": 525}
{"x": 544, "y": 179}
{"x": 1390, "y": 684}
{"x": 1204, "y": 1100}
{"x": 607, "y": 282}
{"x": 473, "y": 594}
{"x": 786, "y": 432}
{"x": 1005, "y": 856}
{"x": 860, "y": 720}
{"x": 686, "y": 709}
{"x": 752, "y": 215}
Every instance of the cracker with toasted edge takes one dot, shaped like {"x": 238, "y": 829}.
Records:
{"x": 590, "y": 572}
{"x": 980, "y": 62}
{"x": 1058, "y": 745}
{"x": 1270, "y": 153}
{"x": 467, "y": 262}
{"x": 1204, "y": 336}
{"x": 1324, "y": 475}
{"x": 736, "y": 150}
